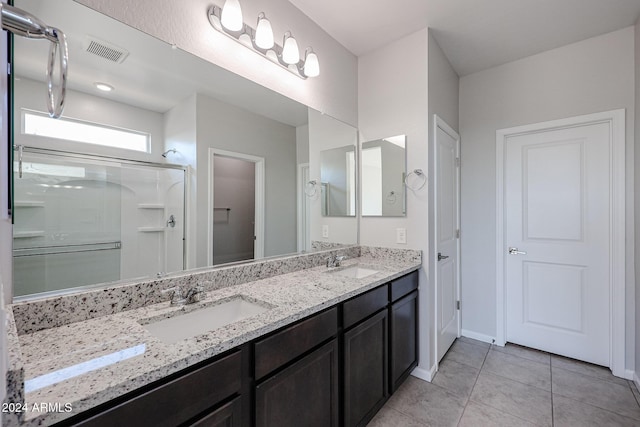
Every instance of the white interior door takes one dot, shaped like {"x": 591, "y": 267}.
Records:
{"x": 447, "y": 220}
{"x": 557, "y": 224}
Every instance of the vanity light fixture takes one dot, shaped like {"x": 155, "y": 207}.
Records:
{"x": 231, "y": 15}
{"x": 228, "y": 21}
{"x": 290, "y": 52}
{"x": 103, "y": 87}
{"x": 311, "y": 63}
{"x": 264, "y": 32}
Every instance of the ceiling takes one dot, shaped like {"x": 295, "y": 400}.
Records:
{"x": 474, "y": 34}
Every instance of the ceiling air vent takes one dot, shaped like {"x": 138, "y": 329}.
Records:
{"x": 106, "y": 50}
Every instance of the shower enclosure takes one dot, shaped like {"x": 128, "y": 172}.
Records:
{"x": 82, "y": 220}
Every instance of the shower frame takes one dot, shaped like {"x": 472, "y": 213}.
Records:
{"x": 111, "y": 159}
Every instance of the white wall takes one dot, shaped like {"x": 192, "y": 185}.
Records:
{"x": 444, "y": 86}
{"x": 78, "y": 105}
{"x": 585, "y": 77}
{"x": 180, "y": 134}
{"x": 392, "y": 100}
{"x": 302, "y": 144}
{"x": 226, "y": 127}
{"x": 637, "y": 199}
{"x": 186, "y": 25}
{"x": 326, "y": 133}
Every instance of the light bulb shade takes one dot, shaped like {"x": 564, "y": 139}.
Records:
{"x": 231, "y": 17}
{"x": 311, "y": 64}
{"x": 290, "y": 52}
{"x": 264, "y": 33}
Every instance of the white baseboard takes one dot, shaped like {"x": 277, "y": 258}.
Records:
{"x": 477, "y": 336}
{"x": 636, "y": 380}
{"x": 424, "y": 374}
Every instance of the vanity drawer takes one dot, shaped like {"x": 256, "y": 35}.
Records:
{"x": 284, "y": 346}
{"x": 364, "y": 305}
{"x": 404, "y": 285}
{"x": 179, "y": 400}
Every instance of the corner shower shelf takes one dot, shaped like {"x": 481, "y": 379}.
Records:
{"x": 27, "y": 234}
{"x": 151, "y": 229}
{"x": 150, "y": 206}
{"x": 28, "y": 204}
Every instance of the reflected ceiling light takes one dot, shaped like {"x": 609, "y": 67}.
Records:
{"x": 290, "y": 52}
{"x": 231, "y": 16}
{"x": 264, "y": 33}
{"x": 103, "y": 87}
{"x": 228, "y": 21}
{"x": 311, "y": 63}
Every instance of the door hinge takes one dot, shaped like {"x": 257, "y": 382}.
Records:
{"x": 458, "y": 304}
{"x": 458, "y": 162}
{"x": 8, "y": 68}
{"x": 458, "y": 233}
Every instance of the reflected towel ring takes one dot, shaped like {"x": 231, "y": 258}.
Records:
{"x": 391, "y": 197}
{"x": 420, "y": 176}
{"x": 311, "y": 188}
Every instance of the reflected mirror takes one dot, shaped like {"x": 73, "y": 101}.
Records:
{"x": 338, "y": 181}
{"x": 383, "y": 174}
{"x": 144, "y": 179}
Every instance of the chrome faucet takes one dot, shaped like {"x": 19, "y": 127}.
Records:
{"x": 192, "y": 295}
{"x": 335, "y": 261}
{"x": 195, "y": 294}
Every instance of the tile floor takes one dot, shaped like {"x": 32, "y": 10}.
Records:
{"x": 482, "y": 385}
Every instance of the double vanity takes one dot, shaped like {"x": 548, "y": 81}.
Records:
{"x": 280, "y": 342}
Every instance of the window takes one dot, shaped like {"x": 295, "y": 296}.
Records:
{"x": 39, "y": 124}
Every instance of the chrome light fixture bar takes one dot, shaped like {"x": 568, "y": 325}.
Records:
{"x": 246, "y": 36}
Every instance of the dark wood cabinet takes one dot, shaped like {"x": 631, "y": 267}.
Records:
{"x": 228, "y": 415}
{"x": 303, "y": 394}
{"x": 365, "y": 369}
{"x": 403, "y": 335}
{"x": 174, "y": 401}
{"x": 284, "y": 346}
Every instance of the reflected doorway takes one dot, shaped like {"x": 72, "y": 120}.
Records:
{"x": 236, "y": 206}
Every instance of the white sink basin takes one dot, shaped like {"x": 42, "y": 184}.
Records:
{"x": 355, "y": 272}
{"x": 201, "y": 321}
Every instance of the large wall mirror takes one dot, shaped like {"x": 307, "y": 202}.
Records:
{"x": 161, "y": 162}
{"x": 383, "y": 176}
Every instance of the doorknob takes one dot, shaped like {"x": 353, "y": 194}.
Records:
{"x": 515, "y": 251}
{"x": 441, "y": 257}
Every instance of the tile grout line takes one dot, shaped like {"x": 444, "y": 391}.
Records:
{"x": 474, "y": 386}
{"x": 631, "y": 386}
{"x": 553, "y": 421}
{"x": 517, "y": 381}
{"x": 600, "y": 408}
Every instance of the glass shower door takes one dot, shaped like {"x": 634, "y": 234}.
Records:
{"x": 83, "y": 221}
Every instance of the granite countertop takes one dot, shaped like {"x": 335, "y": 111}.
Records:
{"x": 90, "y": 362}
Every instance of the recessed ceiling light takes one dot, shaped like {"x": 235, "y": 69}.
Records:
{"x": 103, "y": 87}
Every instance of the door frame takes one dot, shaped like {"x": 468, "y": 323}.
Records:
{"x": 617, "y": 229}
{"x": 439, "y": 123}
{"x": 259, "y": 228}
{"x": 303, "y": 207}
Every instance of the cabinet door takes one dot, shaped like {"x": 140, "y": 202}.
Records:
{"x": 229, "y": 415}
{"x": 404, "y": 339}
{"x": 304, "y": 394}
{"x": 365, "y": 370}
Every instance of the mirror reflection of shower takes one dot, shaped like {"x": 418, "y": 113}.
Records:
{"x": 171, "y": 150}
{"x": 83, "y": 220}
